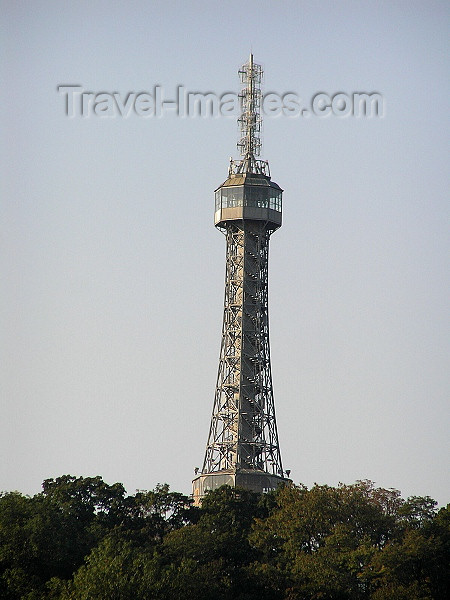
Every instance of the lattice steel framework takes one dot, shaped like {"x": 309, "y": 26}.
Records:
{"x": 242, "y": 448}
{"x": 243, "y": 432}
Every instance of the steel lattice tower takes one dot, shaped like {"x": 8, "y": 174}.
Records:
{"x": 243, "y": 448}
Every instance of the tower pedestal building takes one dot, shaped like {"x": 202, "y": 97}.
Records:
{"x": 243, "y": 448}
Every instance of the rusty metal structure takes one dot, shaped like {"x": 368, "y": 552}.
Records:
{"x": 243, "y": 448}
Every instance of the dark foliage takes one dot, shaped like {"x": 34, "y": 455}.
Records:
{"x": 82, "y": 539}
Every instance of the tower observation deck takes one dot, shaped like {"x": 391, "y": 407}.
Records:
{"x": 243, "y": 448}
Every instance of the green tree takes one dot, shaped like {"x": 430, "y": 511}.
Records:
{"x": 157, "y": 512}
{"x": 322, "y": 540}
{"x": 49, "y": 535}
{"x": 417, "y": 511}
{"x": 416, "y": 565}
{"x": 112, "y": 571}
{"x": 84, "y": 539}
{"x": 210, "y": 558}
{"x": 36, "y": 543}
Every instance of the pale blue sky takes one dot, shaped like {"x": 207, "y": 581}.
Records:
{"x": 112, "y": 271}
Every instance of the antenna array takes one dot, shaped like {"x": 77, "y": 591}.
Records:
{"x": 250, "y": 122}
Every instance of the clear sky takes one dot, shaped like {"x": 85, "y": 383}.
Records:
{"x": 112, "y": 272}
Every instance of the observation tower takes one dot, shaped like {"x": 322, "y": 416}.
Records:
{"x": 243, "y": 448}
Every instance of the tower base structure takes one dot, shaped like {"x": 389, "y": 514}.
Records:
{"x": 256, "y": 481}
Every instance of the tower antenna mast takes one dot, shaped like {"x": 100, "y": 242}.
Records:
{"x": 250, "y": 122}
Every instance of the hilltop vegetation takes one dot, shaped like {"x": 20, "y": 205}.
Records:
{"x": 82, "y": 539}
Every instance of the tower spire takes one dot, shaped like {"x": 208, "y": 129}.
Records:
{"x": 250, "y": 122}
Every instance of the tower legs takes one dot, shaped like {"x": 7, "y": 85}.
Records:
{"x": 243, "y": 448}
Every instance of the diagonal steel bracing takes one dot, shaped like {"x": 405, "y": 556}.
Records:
{"x": 243, "y": 432}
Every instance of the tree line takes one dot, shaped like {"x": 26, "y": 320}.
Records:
{"x": 82, "y": 539}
